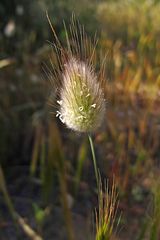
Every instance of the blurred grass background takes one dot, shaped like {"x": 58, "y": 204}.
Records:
{"x": 39, "y": 162}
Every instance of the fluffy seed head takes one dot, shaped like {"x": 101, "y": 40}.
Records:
{"x": 81, "y": 102}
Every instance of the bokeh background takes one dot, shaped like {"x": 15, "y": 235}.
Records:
{"x": 37, "y": 151}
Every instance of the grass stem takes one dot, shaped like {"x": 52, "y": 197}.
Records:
{"x": 94, "y": 159}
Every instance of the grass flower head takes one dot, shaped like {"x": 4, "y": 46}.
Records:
{"x": 81, "y": 101}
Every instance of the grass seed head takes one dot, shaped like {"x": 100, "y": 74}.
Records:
{"x": 81, "y": 101}
{"x": 81, "y": 98}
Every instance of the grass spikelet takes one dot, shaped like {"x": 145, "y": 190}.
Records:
{"x": 79, "y": 85}
{"x": 106, "y": 213}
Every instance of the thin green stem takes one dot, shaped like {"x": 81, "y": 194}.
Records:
{"x": 94, "y": 159}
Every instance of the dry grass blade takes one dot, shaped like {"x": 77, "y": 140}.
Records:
{"x": 18, "y": 219}
{"x": 6, "y": 62}
{"x": 27, "y": 229}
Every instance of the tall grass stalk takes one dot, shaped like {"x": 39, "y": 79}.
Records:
{"x": 60, "y": 166}
{"x": 81, "y": 106}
